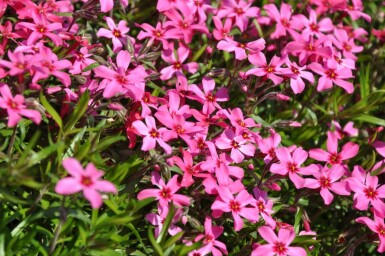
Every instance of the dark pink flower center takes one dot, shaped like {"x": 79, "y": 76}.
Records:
{"x": 285, "y": 23}
{"x": 238, "y": 11}
{"x": 12, "y": 104}
{"x": 179, "y": 129}
{"x": 270, "y": 69}
{"x": 165, "y": 193}
{"x": 334, "y": 158}
{"x": 208, "y": 239}
{"x": 331, "y": 74}
{"x": 261, "y": 206}
{"x": 292, "y": 167}
{"x": 271, "y": 152}
{"x": 381, "y": 230}
{"x": 314, "y": 27}
{"x": 279, "y": 248}
{"x": 121, "y": 79}
{"x": 370, "y": 193}
{"x": 234, "y": 144}
{"x": 325, "y": 182}
{"x": 154, "y": 133}
{"x": 116, "y": 33}
{"x": 210, "y": 97}
{"x": 177, "y": 65}
{"x": 86, "y": 181}
{"x": 235, "y": 206}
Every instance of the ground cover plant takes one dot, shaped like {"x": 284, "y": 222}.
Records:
{"x": 192, "y": 127}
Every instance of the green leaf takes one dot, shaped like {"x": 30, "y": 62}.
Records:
{"x": 199, "y": 53}
{"x": 297, "y": 219}
{"x": 51, "y": 110}
{"x": 166, "y": 224}
{"x": 79, "y": 111}
{"x": 91, "y": 66}
{"x": 121, "y": 219}
{"x": 184, "y": 249}
{"x": 108, "y": 141}
{"x": 172, "y": 240}
{"x": 370, "y": 119}
{"x": 157, "y": 248}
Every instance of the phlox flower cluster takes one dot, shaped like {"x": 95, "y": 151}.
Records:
{"x": 176, "y": 108}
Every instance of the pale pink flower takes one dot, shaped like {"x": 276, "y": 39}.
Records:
{"x": 377, "y": 226}
{"x": 210, "y": 241}
{"x": 116, "y": 33}
{"x": 229, "y": 45}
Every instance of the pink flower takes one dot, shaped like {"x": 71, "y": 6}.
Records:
{"x": 312, "y": 26}
{"x": 107, "y": 5}
{"x": 277, "y": 245}
{"x": 290, "y": 164}
{"x": 152, "y": 134}
{"x": 42, "y": 29}
{"x": 222, "y": 31}
{"x": 355, "y": 11}
{"x": 367, "y": 191}
{"x": 308, "y": 47}
{"x": 346, "y": 44}
{"x": 207, "y": 96}
{"x": 269, "y": 145}
{"x": 327, "y": 179}
{"x": 282, "y": 18}
{"x": 176, "y": 61}
{"x": 116, "y": 33}
{"x": 332, "y": 74}
{"x": 157, "y": 34}
{"x": 377, "y": 226}
{"x": 229, "y": 45}
{"x": 165, "y": 193}
{"x": 238, "y": 145}
{"x": 87, "y": 180}
{"x": 348, "y": 130}
{"x": 123, "y": 80}
{"x": 270, "y": 70}
{"x": 226, "y": 202}
{"x": 296, "y": 73}
{"x": 209, "y": 239}
{"x": 264, "y": 206}
{"x": 15, "y": 107}
{"x": 241, "y": 11}
{"x": 333, "y": 157}
{"x": 158, "y": 220}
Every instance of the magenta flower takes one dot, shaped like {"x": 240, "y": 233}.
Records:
{"x": 308, "y": 47}
{"x": 269, "y": 145}
{"x": 19, "y": 63}
{"x": 42, "y": 29}
{"x": 355, "y": 11}
{"x": 87, "y": 179}
{"x": 290, "y": 164}
{"x": 107, "y": 5}
{"x": 270, "y": 70}
{"x": 377, "y": 226}
{"x": 367, "y": 191}
{"x": 326, "y": 180}
{"x": 116, "y": 33}
{"x": 296, "y": 73}
{"x": 209, "y": 239}
{"x": 229, "y": 45}
{"x": 51, "y": 65}
{"x": 348, "y": 130}
{"x": 282, "y": 18}
{"x": 165, "y": 193}
{"x": 185, "y": 23}
{"x": 242, "y": 11}
{"x": 157, "y": 34}
{"x": 176, "y": 60}
{"x": 346, "y": 44}
{"x": 277, "y": 245}
{"x": 15, "y": 107}
{"x": 333, "y": 157}
{"x": 226, "y": 202}
{"x": 222, "y": 31}
{"x": 123, "y": 80}
{"x": 152, "y": 134}
{"x": 332, "y": 74}
{"x": 310, "y": 26}
{"x": 81, "y": 61}
{"x": 238, "y": 145}
{"x": 207, "y": 96}
{"x": 264, "y": 206}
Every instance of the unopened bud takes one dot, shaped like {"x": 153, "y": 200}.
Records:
{"x": 195, "y": 224}
{"x": 152, "y": 56}
{"x": 153, "y": 76}
{"x": 97, "y": 50}
{"x": 218, "y": 72}
{"x": 80, "y": 79}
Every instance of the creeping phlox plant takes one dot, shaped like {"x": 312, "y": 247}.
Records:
{"x": 192, "y": 127}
